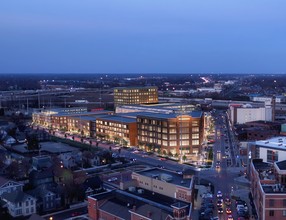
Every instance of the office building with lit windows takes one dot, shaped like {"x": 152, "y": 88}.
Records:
{"x": 135, "y": 95}
{"x": 171, "y": 133}
{"x": 44, "y": 117}
{"x": 118, "y": 129}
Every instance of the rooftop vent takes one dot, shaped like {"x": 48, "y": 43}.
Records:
{"x": 166, "y": 177}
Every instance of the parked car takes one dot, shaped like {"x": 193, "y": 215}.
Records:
{"x": 112, "y": 179}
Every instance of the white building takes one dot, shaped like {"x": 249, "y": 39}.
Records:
{"x": 278, "y": 99}
{"x": 240, "y": 114}
{"x": 209, "y": 90}
{"x": 7, "y": 186}
{"x": 270, "y": 150}
{"x": 19, "y": 203}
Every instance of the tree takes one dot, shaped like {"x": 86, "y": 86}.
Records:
{"x": 116, "y": 139}
{"x": 124, "y": 142}
{"x": 170, "y": 154}
{"x": 32, "y": 142}
{"x": 149, "y": 147}
{"x": 184, "y": 157}
{"x": 159, "y": 151}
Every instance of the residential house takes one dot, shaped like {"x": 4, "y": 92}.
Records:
{"x": 91, "y": 159}
{"x": 67, "y": 160}
{"x": 37, "y": 178}
{"x": 41, "y": 162}
{"x": 46, "y": 199}
{"x": 7, "y": 186}
{"x": 19, "y": 203}
{"x": 91, "y": 186}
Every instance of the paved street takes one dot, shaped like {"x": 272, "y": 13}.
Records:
{"x": 226, "y": 169}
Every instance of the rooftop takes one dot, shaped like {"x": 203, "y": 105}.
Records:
{"x": 118, "y": 119}
{"x": 82, "y": 114}
{"x": 167, "y": 176}
{"x": 281, "y": 164}
{"x": 117, "y": 207}
{"x": 274, "y": 143}
{"x": 120, "y": 203}
{"x": 267, "y": 178}
{"x": 137, "y": 87}
{"x": 158, "y": 107}
{"x": 15, "y": 196}
{"x": 193, "y": 114}
{"x": 88, "y": 118}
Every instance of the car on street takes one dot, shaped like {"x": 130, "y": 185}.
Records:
{"x": 219, "y": 194}
{"x": 227, "y": 201}
{"x": 220, "y": 210}
{"x": 217, "y": 164}
{"x": 240, "y": 202}
{"x": 112, "y": 179}
{"x": 228, "y": 211}
{"x": 229, "y": 217}
{"x": 219, "y": 203}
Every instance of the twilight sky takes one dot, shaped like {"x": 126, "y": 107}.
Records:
{"x": 143, "y": 36}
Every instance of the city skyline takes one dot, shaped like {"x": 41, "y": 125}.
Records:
{"x": 143, "y": 37}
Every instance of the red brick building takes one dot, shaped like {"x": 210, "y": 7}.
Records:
{"x": 120, "y": 205}
{"x": 268, "y": 189}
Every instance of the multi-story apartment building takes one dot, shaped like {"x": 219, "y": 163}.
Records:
{"x": 270, "y": 150}
{"x": 172, "y": 133}
{"x": 117, "y": 128}
{"x": 84, "y": 122}
{"x": 83, "y": 125}
{"x": 44, "y": 117}
{"x": 240, "y": 114}
{"x": 135, "y": 95}
{"x": 268, "y": 188}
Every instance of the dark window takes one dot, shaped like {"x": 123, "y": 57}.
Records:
{"x": 272, "y": 156}
{"x": 284, "y": 202}
{"x": 271, "y": 212}
{"x": 271, "y": 202}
